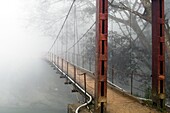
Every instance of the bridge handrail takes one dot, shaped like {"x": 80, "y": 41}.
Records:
{"x": 90, "y": 97}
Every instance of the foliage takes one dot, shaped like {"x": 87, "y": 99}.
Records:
{"x": 129, "y": 38}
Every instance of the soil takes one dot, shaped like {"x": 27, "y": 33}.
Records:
{"x": 116, "y": 102}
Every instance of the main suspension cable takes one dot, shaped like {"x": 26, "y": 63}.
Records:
{"x": 62, "y": 25}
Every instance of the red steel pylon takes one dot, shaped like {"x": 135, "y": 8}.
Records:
{"x": 101, "y": 56}
{"x": 158, "y": 54}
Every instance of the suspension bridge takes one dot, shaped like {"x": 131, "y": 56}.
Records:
{"x": 89, "y": 76}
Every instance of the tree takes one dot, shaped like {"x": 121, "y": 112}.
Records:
{"x": 130, "y": 46}
{"x": 129, "y": 41}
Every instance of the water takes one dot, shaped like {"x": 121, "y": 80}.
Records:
{"x": 32, "y": 86}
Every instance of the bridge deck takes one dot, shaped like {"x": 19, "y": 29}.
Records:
{"x": 116, "y": 102}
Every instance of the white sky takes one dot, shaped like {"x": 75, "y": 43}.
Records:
{"x": 17, "y": 38}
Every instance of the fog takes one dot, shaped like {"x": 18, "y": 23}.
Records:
{"x": 18, "y": 38}
{"x": 28, "y": 28}
{"x": 25, "y": 80}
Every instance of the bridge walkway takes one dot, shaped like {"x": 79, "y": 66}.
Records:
{"x": 117, "y": 101}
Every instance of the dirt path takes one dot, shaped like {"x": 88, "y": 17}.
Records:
{"x": 116, "y": 102}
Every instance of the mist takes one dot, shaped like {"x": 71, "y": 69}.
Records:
{"x": 30, "y": 29}
{"x": 26, "y": 82}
